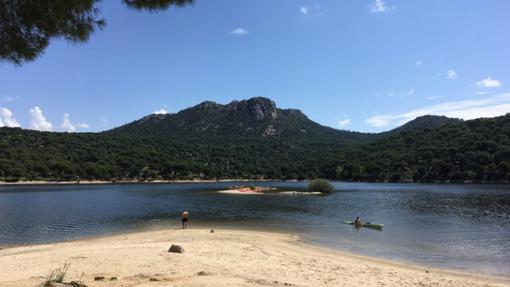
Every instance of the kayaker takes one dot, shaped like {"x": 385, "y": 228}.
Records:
{"x": 357, "y": 222}
{"x": 185, "y": 215}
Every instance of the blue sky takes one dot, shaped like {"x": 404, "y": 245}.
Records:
{"x": 365, "y": 65}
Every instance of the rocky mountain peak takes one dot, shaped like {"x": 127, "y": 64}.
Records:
{"x": 261, "y": 108}
{"x": 258, "y": 108}
{"x": 208, "y": 105}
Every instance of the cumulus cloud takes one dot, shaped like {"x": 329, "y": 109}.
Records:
{"x": 488, "y": 83}
{"x": 161, "y": 112}
{"x": 239, "y": 32}
{"x": 451, "y": 75}
{"x": 82, "y": 126}
{"x": 304, "y": 10}
{"x": 466, "y": 109}
{"x": 411, "y": 92}
{"x": 419, "y": 63}
{"x": 344, "y": 123}
{"x": 7, "y": 119}
{"x": 379, "y": 6}
{"x": 66, "y": 125}
{"x": 38, "y": 121}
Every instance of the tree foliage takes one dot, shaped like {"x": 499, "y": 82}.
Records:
{"x": 225, "y": 142}
{"x": 476, "y": 150}
{"x": 320, "y": 185}
{"x": 27, "y": 26}
{"x": 155, "y": 4}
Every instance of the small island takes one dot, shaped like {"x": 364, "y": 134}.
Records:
{"x": 246, "y": 189}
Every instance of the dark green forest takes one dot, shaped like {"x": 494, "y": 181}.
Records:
{"x": 476, "y": 150}
{"x": 253, "y": 139}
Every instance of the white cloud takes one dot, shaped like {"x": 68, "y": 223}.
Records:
{"x": 66, "y": 125}
{"x": 481, "y": 93}
{"x": 379, "y": 6}
{"x": 38, "y": 121}
{"x": 402, "y": 93}
{"x": 419, "y": 63}
{"x": 82, "y": 126}
{"x": 451, "y": 75}
{"x": 161, "y": 112}
{"x": 239, "y": 32}
{"x": 466, "y": 109}
{"x": 434, "y": 97}
{"x": 315, "y": 11}
{"x": 488, "y": 83}
{"x": 344, "y": 123}
{"x": 7, "y": 119}
{"x": 379, "y": 121}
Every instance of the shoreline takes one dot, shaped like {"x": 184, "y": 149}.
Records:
{"x": 160, "y": 181}
{"x": 104, "y": 182}
{"x": 116, "y": 255}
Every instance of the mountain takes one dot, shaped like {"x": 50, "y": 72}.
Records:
{"x": 252, "y": 118}
{"x": 254, "y": 139}
{"x": 425, "y": 122}
{"x": 475, "y": 150}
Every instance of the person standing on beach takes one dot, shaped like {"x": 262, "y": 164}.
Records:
{"x": 185, "y": 216}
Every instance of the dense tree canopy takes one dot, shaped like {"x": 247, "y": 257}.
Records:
{"x": 477, "y": 150}
{"x": 27, "y": 26}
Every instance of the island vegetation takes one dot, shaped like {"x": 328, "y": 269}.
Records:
{"x": 320, "y": 185}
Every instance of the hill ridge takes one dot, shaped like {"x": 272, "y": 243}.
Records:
{"x": 254, "y": 139}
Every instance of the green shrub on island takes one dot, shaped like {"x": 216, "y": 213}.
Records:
{"x": 320, "y": 185}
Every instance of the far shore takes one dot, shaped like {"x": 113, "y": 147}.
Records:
{"x": 134, "y": 181}
{"x": 106, "y": 182}
{"x": 221, "y": 257}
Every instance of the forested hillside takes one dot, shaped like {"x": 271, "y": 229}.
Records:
{"x": 476, "y": 150}
{"x": 253, "y": 139}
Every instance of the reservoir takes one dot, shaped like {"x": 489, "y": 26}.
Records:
{"x": 460, "y": 227}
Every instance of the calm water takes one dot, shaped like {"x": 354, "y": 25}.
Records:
{"x": 464, "y": 227}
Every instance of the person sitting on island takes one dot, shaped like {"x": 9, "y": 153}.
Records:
{"x": 357, "y": 222}
{"x": 185, "y": 215}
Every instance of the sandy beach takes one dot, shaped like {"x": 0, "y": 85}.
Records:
{"x": 221, "y": 258}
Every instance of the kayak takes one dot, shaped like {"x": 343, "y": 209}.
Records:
{"x": 368, "y": 225}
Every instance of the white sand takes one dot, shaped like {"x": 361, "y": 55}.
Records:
{"x": 224, "y": 258}
{"x": 236, "y": 191}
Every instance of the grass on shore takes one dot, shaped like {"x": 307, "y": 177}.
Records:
{"x": 56, "y": 276}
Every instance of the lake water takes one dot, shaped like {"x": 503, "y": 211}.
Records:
{"x": 462, "y": 227}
